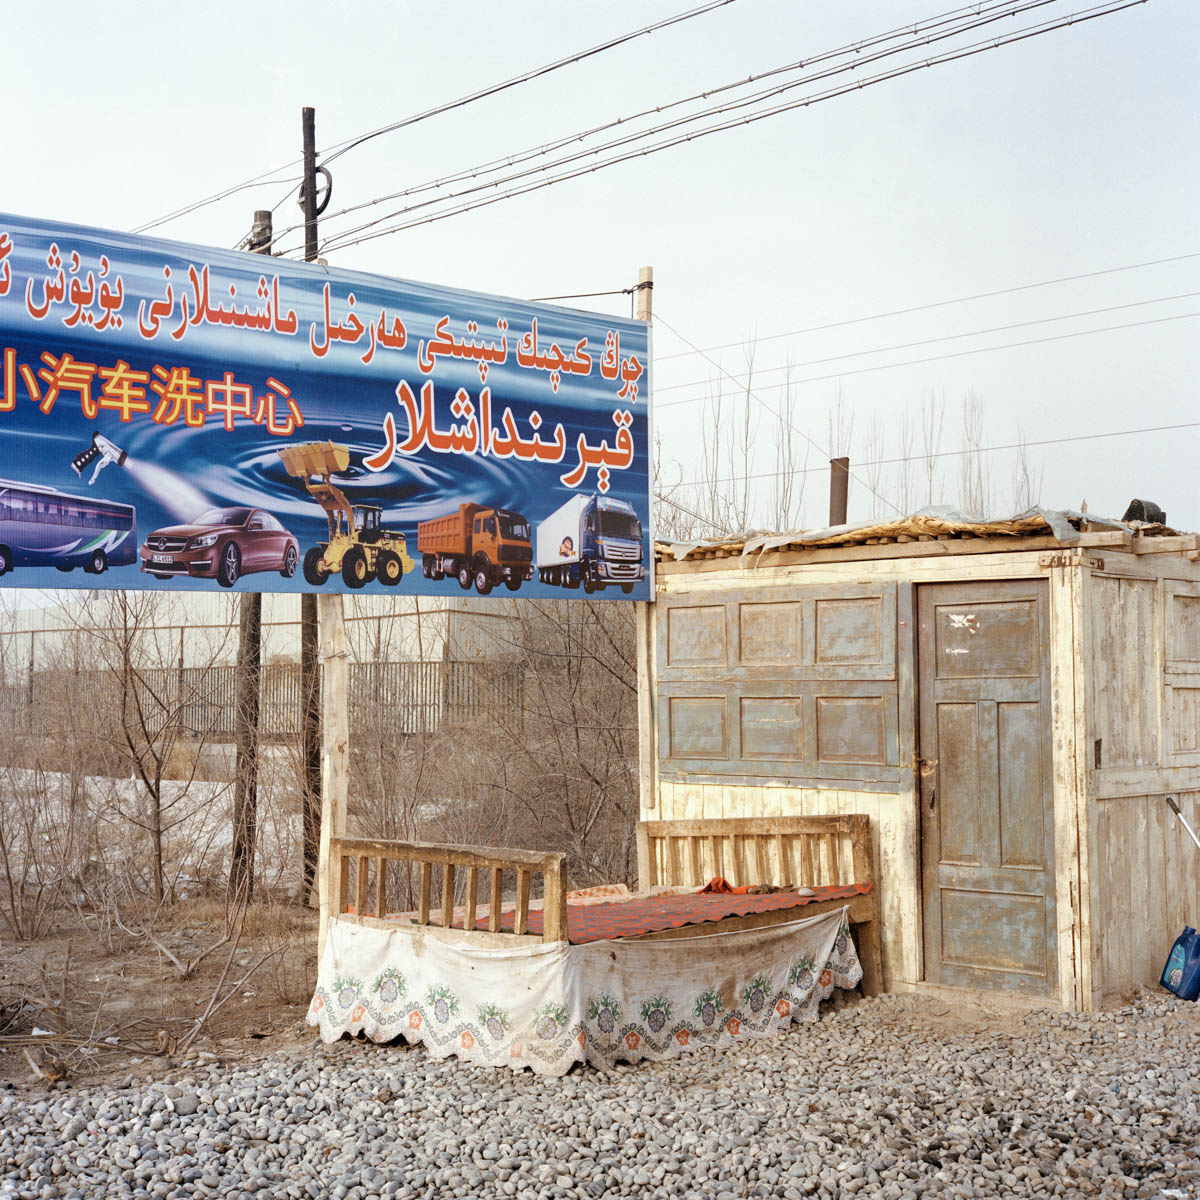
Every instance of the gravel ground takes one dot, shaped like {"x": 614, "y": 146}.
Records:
{"x": 899, "y": 1096}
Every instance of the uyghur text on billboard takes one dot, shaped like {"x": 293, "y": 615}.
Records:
{"x": 180, "y": 417}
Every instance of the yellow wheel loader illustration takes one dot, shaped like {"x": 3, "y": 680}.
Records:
{"x": 358, "y": 546}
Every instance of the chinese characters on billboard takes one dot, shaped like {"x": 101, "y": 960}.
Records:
{"x": 179, "y": 417}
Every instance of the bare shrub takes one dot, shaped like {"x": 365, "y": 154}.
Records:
{"x": 159, "y": 705}
{"x": 37, "y": 843}
{"x": 533, "y": 745}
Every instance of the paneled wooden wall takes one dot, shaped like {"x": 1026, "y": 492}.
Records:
{"x": 1181, "y": 698}
{"x": 1148, "y": 875}
{"x": 1125, "y": 671}
{"x": 789, "y": 690}
{"x": 1142, "y": 658}
{"x": 793, "y": 684}
{"x": 794, "y": 699}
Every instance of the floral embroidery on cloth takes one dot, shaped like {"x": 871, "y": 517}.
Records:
{"x": 548, "y": 1006}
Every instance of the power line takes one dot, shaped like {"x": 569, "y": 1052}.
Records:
{"x": 263, "y": 180}
{"x": 585, "y": 295}
{"x": 856, "y": 48}
{"x": 340, "y": 148}
{"x": 913, "y": 362}
{"x": 525, "y": 77}
{"x": 918, "y": 34}
{"x": 949, "y": 337}
{"x": 658, "y": 496}
{"x": 341, "y": 241}
{"x": 883, "y": 462}
{"x": 903, "y": 312}
{"x": 779, "y": 416}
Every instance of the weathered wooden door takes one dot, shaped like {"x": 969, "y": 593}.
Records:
{"x": 987, "y": 826}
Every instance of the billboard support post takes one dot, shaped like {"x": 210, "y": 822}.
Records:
{"x": 245, "y": 785}
{"x": 334, "y": 759}
{"x": 249, "y": 680}
{"x": 310, "y": 677}
{"x": 326, "y": 739}
{"x": 643, "y": 627}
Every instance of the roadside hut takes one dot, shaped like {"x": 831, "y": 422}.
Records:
{"x": 1009, "y": 702}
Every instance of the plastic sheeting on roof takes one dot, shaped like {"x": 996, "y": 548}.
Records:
{"x": 937, "y": 521}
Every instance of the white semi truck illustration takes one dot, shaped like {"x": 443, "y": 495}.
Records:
{"x": 593, "y": 541}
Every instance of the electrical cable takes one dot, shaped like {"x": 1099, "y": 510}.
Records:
{"x": 527, "y": 76}
{"x": 884, "y": 462}
{"x": 341, "y": 242}
{"x": 263, "y": 180}
{"x": 659, "y": 498}
{"x": 855, "y": 48}
{"x": 340, "y": 148}
{"x": 903, "y": 312}
{"x": 779, "y": 416}
{"x": 584, "y": 295}
{"x": 920, "y": 35}
{"x": 949, "y": 337}
{"x": 913, "y": 362}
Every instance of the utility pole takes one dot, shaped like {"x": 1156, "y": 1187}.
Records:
{"x": 249, "y": 684}
{"x": 310, "y": 675}
{"x": 644, "y": 294}
{"x": 308, "y": 190}
{"x": 310, "y": 738}
{"x": 326, "y": 719}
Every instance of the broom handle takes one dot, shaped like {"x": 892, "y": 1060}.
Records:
{"x": 1171, "y": 804}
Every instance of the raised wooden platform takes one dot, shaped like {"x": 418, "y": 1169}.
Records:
{"x": 830, "y": 855}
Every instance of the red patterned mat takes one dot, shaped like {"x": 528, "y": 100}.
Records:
{"x": 649, "y": 914}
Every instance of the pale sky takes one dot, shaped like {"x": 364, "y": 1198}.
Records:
{"x": 1064, "y": 155}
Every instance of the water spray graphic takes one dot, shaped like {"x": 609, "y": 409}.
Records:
{"x": 176, "y": 495}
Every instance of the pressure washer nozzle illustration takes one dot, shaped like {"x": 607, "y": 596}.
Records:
{"x": 101, "y": 452}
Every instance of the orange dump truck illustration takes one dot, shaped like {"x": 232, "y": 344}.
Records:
{"x": 476, "y": 544}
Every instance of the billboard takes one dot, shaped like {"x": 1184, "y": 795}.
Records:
{"x": 180, "y": 417}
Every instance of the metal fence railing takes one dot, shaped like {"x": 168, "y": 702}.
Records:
{"x": 201, "y": 702}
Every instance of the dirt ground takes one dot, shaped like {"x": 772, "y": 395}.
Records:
{"x": 121, "y": 1009}
{"x": 117, "y": 1005}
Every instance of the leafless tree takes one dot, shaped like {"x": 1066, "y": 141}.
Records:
{"x": 840, "y": 425}
{"x": 724, "y": 494}
{"x": 728, "y": 495}
{"x": 158, "y": 706}
{"x": 933, "y": 419}
{"x": 791, "y": 463}
{"x": 571, "y": 778}
{"x": 553, "y": 767}
{"x": 1027, "y": 479}
{"x": 674, "y": 519}
{"x": 904, "y": 488}
{"x": 873, "y": 465}
{"x": 975, "y": 483}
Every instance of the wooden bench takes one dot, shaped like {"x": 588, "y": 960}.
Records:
{"x": 771, "y": 851}
{"x": 363, "y": 858}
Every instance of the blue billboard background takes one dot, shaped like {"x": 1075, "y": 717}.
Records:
{"x": 165, "y": 378}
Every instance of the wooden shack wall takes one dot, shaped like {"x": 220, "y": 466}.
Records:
{"x": 892, "y": 803}
{"x": 1140, "y": 645}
